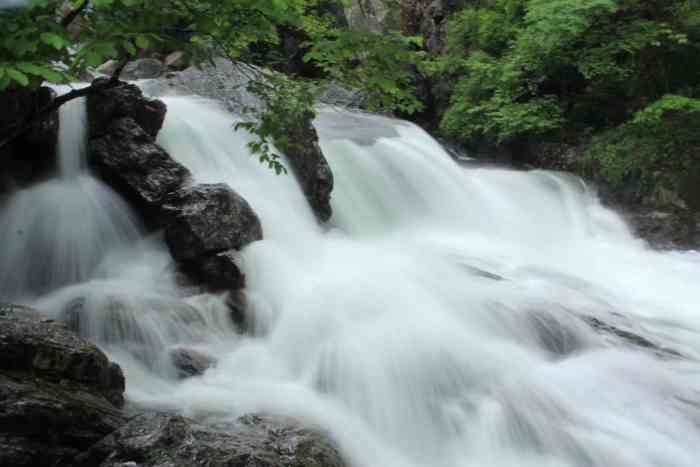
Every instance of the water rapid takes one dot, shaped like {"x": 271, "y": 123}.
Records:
{"x": 441, "y": 319}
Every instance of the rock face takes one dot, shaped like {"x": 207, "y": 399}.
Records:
{"x": 127, "y": 157}
{"x": 429, "y": 19}
{"x": 32, "y": 155}
{"x": 58, "y": 393}
{"x": 207, "y": 223}
{"x": 154, "y": 439}
{"x": 125, "y": 100}
{"x": 311, "y": 168}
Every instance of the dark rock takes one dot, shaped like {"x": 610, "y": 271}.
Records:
{"x": 155, "y": 439}
{"x": 58, "y": 393}
{"x": 128, "y": 159}
{"x": 238, "y": 304}
{"x": 32, "y": 155}
{"x": 190, "y": 362}
{"x": 220, "y": 271}
{"x": 144, "y": 68}
{"x": 630, "y": 338}
{"x": 208, "y": 219}
{"x": 48, "y": 350}
{"x": 427, "y": 18}
{"x": 665, "y": 230}
{"x": 125, "y": 100}
{"x": 310, "y": 166}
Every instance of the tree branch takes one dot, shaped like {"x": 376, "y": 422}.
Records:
{"x": 55, "y": 104}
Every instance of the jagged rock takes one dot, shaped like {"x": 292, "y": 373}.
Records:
{"x": 127, "y": 158}
{"x": 155, "y": 439}
{"x": 58, "y": 393}
{"x": 144, "y": 68}
{"x": 125, "y": 100}
{"x": 310, "y": 166}
{"x": 190, "y": 362}
{"x": 208, "y": 219}
{"x": 32, "y": 155}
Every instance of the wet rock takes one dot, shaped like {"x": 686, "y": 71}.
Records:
{"x": 220, "y": 271}
{"x": 155, "y": 439}
{"x": 32, "y": 155}
{"x": 189, "y": 362}
{"x": 144, "y": 68}
{"x": 665, "y": 230}
{"x": 630, "y": 338}
{"x": 48, "y": 350}
{"x": 310, "y": 166}
{"x": 58, "y": 393}
{"x": 127, "y": 158}
{"x": 208, "y": 219}
{"x": 125, "y": 100}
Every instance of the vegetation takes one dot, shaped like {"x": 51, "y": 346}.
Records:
{"x": 626, "y": 71}
{"x": 40, "y": 44}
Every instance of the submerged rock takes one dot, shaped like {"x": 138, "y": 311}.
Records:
{"x": 190, "y": 362}
{"x": 155, "y": 439}
{"x": 127, "y": 158}
{"x": 59, "y": 394}
{"x": 310, "y": 166}
{"x": 125, "y": 100}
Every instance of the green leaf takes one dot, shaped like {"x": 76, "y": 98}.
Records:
{"x": 18, "y": 76}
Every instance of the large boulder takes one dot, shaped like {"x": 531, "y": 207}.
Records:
{"x": 127, "y": 157}
{"x": 206, "y": 225}
{"x": 155, "y": 439}
{"x": 208, "y": 219}
{"x": 59, "y": 394}
{"x": 124, "y": 100}
{"x": 310, "y": 166}
{"x": 31, "y": 155}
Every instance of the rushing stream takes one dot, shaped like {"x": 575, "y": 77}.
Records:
{"x": 441, "y": 319}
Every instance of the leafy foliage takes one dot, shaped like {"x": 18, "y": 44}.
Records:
{"x": 550, "y": 68}
{"x": 659, "y": 145}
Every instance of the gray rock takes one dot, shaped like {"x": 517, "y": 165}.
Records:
{"x": 155, "y": 439}
{"x": 125, "y": 100}
{"x": 208, "y": 219}
{"x": 144, "y": 68}
{"x": 128, "y": 159}
{"x": 58, "y": 393}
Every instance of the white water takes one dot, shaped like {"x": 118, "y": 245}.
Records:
{"x": 387, "y": 329}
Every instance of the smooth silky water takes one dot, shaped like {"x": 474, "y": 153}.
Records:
{"x": 437, "y": 320}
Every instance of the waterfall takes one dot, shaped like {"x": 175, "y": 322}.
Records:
{"x": 442, "y": 318}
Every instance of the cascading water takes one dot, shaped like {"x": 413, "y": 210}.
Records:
{"x": 443, "y": 319}
{"x": 56, "y": 232}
